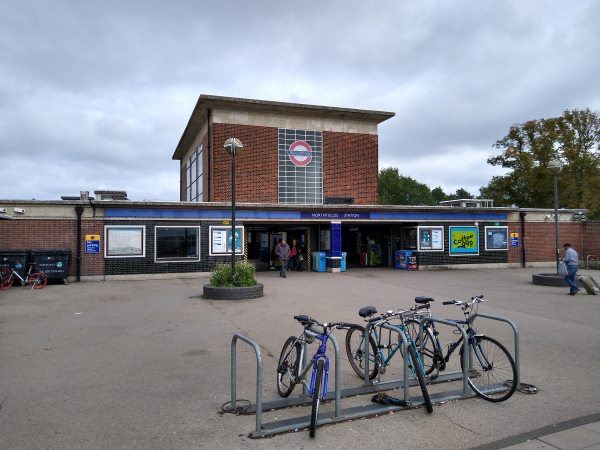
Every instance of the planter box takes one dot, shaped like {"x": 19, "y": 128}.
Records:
{"x": 232, "y": 293}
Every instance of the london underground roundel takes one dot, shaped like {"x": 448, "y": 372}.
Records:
{"x": 300, "y": 153}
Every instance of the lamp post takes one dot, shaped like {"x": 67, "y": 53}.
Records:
{"x": 233, "y": 146}
{"x": 555, "y": 166}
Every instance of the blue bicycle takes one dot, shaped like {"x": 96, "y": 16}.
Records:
{"x": 289, "y": 372}
{"x": 384, "y": 342}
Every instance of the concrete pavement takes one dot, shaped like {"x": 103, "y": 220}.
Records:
{"x": 145, "y": 364}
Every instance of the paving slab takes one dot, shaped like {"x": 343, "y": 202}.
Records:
{"x": 572, "y": 439}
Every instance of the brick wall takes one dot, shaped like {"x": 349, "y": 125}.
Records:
{"x": 257, "y": 166}
{"x": 54, "y": 234}
{"x": 540, "y": 243}
{"x": 591, "y": 239}
{"x": 139, "y": 265}
{"x": 444, "y": 258}
{"x": 350, "y": 166}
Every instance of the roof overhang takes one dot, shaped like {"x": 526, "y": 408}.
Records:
{"x": 207, "y": 102}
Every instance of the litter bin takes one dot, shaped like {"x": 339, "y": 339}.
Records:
{"x": 343, "y": 262}
{"x": 15, "y": 259}
{"x": 319, "y": 262}
{"x": 54, "y": 263}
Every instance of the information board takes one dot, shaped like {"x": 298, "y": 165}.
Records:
{"x": 221, "y": 241}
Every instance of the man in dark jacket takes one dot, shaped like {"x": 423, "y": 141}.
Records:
{"x": 282, "y": 250}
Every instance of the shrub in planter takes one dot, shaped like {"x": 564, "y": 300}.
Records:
{"x": 243, "y": 276}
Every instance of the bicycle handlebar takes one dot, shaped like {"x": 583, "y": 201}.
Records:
{"x": 475, "y": 299}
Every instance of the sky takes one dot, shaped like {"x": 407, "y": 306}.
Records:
{"x": 95, "y": 95}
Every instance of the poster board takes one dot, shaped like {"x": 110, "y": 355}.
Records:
{"x": 463, "y": 241}
{"x": 430, "y": 238}
{"x": 124, "y": 241}
{"x": 220, "y": 240}
{"x": 496, "y": 238}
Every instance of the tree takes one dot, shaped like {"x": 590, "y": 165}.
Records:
{"x": 396, "y": 189}
{"x": 573, "y": 138}
{"x": 438, "y": 195}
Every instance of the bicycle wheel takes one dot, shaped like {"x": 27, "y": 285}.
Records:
{"x": 287, "y": 368}
{"x": 429, "y": 350}
{"x": 6, "y": 279}
{"x": 316, "y": 397}
{"x": 492, "y": 368}
{"x": 355, "y": 349}
{"x": 37, "y": 280}
{"x": 420, "y": 377}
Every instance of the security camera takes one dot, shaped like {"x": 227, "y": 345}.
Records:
{"x": 2, "y": 210}
{"x": 19, "y": 210}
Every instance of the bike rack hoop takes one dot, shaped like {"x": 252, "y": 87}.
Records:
{"x": 259, "y": 375}
{"x": 466, "y": 356}
{"x": 516, "y": 336}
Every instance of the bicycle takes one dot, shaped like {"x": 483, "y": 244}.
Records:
{"x": 381, "y": 354}
{"x": 492, "y": 374}
{"x": 37, "y": 280}
{"x": 289, "y": 373}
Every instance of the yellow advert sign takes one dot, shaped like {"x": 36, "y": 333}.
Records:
{"x": 92, "y": 237}
{"x": 464, "y": 240}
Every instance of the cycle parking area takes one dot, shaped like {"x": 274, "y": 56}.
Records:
{"x": 147, "y": 363}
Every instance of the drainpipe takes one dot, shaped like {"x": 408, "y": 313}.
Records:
{"x": 522, "y": 215}
{"x": 79, "y": 212}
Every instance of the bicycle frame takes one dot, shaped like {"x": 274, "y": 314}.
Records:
{"x": 321, "y": 353}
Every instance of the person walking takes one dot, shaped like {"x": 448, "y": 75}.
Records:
{"x": 282, "y": 250}
{"x": 571, "y": 259}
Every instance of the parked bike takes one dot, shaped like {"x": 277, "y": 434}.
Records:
{"x": 382, "y": 350}
{"x": 289, "y": 370}
{"x": 36, "y": 280}
{"x": 492, "y": 374}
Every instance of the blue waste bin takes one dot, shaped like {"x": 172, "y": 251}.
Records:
{"x": 343, "y": 262}
{"x": 319, "y": 262}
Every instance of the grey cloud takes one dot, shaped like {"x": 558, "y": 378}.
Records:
{"x": 99, "y": 93}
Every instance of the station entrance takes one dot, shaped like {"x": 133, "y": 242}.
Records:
{"x": 262, "y": 240}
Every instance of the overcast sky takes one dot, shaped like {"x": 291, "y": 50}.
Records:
{"x": 97, "y": 94}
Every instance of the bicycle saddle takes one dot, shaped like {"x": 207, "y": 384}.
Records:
{"x": 422, "y": 300}
{"x": 367, "y": 311}
{"x": 304, "y": 319}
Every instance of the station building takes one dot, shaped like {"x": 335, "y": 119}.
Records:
{"x": 306, "y": 173}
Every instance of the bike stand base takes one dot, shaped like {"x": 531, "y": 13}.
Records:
{"x": 353, "y": 413}
{"x": 351, "y": 392}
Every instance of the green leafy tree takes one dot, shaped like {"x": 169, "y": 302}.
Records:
{"x": 438, "y": 195}
{"x": 573, "y": 138}
{"x": 396, "y": 189}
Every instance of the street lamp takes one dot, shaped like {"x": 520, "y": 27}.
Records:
{"x": 555, "y": 166}
{"x": 234, "y": 147}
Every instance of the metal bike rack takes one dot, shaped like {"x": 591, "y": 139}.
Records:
{"x": 355, "y": 412}
{"x": 259, "y": 375}
{"x": 517, "y": 356}
{"x": 593, "y": 258}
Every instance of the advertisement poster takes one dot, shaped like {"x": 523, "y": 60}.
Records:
{"x": 496, "y": 238}
{"x": 221, "y": 241}
{"x": 431, "y": 238}
{"x": 464, "y": 241}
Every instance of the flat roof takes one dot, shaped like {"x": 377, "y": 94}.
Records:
{"x": 206, "y": 102}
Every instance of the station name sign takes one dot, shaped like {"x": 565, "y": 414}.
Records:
{"x": 335, "y": 215}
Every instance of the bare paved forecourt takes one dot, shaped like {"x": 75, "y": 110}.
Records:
{"x": 145, "y": 364}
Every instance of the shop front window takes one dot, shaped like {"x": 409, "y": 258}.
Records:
{"x": 177, "y": 244}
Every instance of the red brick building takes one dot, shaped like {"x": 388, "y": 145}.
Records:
{"x": 306, "y": 174}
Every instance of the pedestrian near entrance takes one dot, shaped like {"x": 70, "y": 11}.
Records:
{"x": 571, "y": 259}
{"x": 282, "y": 250}
{"x": 294, "y": 251}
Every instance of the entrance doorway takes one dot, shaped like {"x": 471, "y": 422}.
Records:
{"x": 366, "y": 245}
{"x": 262, "y": 240}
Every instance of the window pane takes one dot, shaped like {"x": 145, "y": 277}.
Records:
{"x": 176, "y": 243}
{"x": 199, "y": 161}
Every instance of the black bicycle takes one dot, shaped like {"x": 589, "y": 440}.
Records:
{"x": 493, "y": 372}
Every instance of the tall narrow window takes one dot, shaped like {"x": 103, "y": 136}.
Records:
{"x": 200, "y": 173}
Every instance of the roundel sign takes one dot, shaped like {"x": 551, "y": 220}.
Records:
{"x": 300, "y": 153}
